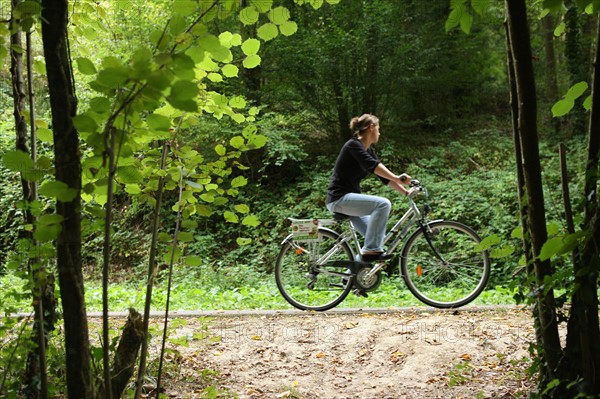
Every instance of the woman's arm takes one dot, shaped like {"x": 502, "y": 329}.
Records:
{"x": 396, "y": 182}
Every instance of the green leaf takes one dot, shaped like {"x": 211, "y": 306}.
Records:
{"x": 133, "y": 189}
{"x": 184, "y": 7}
{"x": 129, "y": 174}
{"x": 184, "y": 90}
{"x": 239, "y": 181}
{"x": 243, "y": 241}
{"x": 185, "y": 236}
{"x": 251, "y": 46}
{"x": 249, "y": 131}
{"x": 50, "y": 219}
{"x": 237, "y": 102}
{"x": 560, "y": 29}
{"x": 252, "y": 61}
{"x": 550, "y": 248}
{"x": 220, "y": 150}
{"x": 466, "y": 22}
{"x": 267, "y": 32}
{"x": 488, "y": 242}
{"x": 192, "y": 260}
{"x": 587, "y": 103}
{"x": 249, "y": 16}
{"x": 262, "y": 5}
{"x": 113, "y": 77}
{"x": 174, "y": 253}
{"x": 183, "y": 105}
{"x": 257, "y": 141}
{"x": 193, "y": 184}
{"x": 85, "y": 66}
{"x": 237, "y": 142}
{"x": 215, "y": 77}
{"x": 288, "y": 28}
{"x": 454, "y": 18}
{"x": 45, "y": 135}
{"x": 251, "y": 220}
{"x": 230, "y": 71}
{"x": 159, "y": 122}
{"x": 242, "y": 208}
{"x": 481, "y": 7}
{"x": 85, "y": 123}
{"x": 58, "y": 190}
{"x": 576, "y": 91}
{"x": 17, "y": 161}
{"x": 316, "y": 4}
{"x": 99, "y": 105}
{"x": 230, "y": 217}
{"x": 207, "y": 197}
{"x": 279, "y": 15}
{"x": 517, "y": 233}
{"x": 562, "y": 107}
{"x": 553, "y": 5}
{"x": 503, "y": 252}
{"x": 45, "y": 233}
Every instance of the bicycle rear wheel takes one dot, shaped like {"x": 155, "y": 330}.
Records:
{"x": 305, "y": 281}
{"x": 441, "y": 265}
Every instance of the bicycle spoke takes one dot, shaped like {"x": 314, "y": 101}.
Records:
{"x": 450, "y": 283}
{"x": 307, "y": 275}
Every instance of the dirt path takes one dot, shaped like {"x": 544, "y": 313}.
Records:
{"x": 408, "y": 354}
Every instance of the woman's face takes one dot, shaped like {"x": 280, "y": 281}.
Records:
{"x": 374, "y": 132}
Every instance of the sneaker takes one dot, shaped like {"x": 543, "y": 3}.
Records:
{"x": 372, "y": 257}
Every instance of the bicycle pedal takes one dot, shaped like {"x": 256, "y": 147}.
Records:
{"x": 358, "y": 292}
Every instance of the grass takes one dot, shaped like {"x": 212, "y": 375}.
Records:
{"x": 193, "y": 294}
{"x": 186, "y": 296}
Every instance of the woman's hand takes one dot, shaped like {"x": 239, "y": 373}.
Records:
{"x": 404, "y": 179}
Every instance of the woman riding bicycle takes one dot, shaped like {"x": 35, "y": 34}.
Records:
{"x": 356, "y": 160}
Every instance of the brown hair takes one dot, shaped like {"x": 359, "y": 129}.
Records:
{"x": 358, "y": 124}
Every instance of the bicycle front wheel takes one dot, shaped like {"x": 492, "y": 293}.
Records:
{"x": 313, "y": 275}
{"x": 442, "y": 266}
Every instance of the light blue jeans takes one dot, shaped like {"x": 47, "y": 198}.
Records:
{"x": 369, "y": 214}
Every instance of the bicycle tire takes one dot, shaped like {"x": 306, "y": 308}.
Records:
{"x": 306, "y": 286}
{"x": 451, "y": 283}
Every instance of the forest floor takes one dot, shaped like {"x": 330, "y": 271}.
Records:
{"x": 408, "y": 353}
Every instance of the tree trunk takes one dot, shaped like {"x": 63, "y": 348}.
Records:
{"x": 519, "y": 40}
{"x": 126, "y": 354}
{"x": 551, "y": 80}
{"x": 583, "y": 338}
{"x": 575, "y": 63}
{"x": 44, "y": 302}
{"x": 68, "y": 170}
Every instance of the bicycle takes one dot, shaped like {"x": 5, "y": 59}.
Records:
{"x": 440, "y": 260}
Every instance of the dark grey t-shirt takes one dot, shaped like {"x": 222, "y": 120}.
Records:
{"x": 353, "y": 164}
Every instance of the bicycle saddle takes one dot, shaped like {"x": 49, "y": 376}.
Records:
{"x": 340, "y": 217}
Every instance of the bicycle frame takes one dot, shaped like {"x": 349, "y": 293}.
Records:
{"x": 394, "y": 237}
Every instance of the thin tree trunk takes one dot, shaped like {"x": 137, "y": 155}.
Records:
{"x": 151, "y": 274}
{"x": 585, "y": 299}
{"x": 536, "y": 220}
{"x": 575, "y": 63}
{"x": 126, "y": 353}
{"x": 68, "y": 170}
{"x": 551, "y": 80}
{"x": 44, "y": 303}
